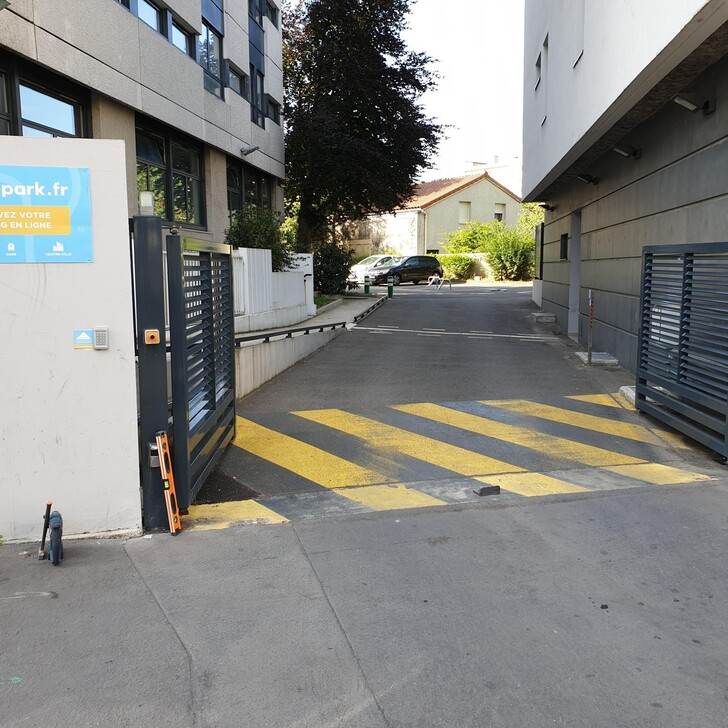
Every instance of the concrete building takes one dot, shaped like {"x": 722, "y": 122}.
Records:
{"x": 193, "y": 87}
{"x": 437, "y": 208}
{"x": 612, "y": 149}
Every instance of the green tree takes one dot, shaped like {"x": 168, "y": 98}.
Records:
{"x": 356, "y": 134}
{"x": 530, "y": 217}
{"x": 257, "y": 227}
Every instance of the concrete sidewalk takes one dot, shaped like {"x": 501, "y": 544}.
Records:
{"x": 529, "y": 615}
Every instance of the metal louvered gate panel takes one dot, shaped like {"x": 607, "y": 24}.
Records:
{"x": 682, "y": 367}
{"x": 203, "y": 359}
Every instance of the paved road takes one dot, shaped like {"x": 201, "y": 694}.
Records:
{"x": 603, "y": 606}
{"x": 431, "y": 397}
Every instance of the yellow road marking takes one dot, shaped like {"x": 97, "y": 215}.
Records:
{"x": 658, "y": 474}
{"x": 389, "y": 497}
{"x": 401, "y": 442}
{"x": 577, "y": 419}
{"x": 532, "y": 484}
{"x": 547, "y": 444}
{"x": 217, "y": 516}
{"x": 301, "y": 458}
{"x": 605, "y": 400}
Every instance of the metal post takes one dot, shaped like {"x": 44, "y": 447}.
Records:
{"x": 591, "y": 329}
{"x": 152, "y": 354}
{"x": 390, "y": 286}
{"x": 366, "y": 285}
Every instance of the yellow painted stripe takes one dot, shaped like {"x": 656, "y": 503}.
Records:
{"x": 217, "y": 516}
{"x": 547, "y": 444}
{"x": 395, "y": 441}
{"x": 532, "y": 484}
{"x": 390, "y": 497}
{"x": 605, "y": 400}
{"x": 576, "y": 419}
{"x": 658, "y": 474}
{"x": 301, "y": 458}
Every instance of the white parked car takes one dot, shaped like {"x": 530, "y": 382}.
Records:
{"x": 362, "y": 268}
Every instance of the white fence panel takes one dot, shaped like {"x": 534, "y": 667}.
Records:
{"x": 267, "y": 300}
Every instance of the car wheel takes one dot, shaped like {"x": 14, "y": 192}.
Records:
{"x": 396, "y": 279}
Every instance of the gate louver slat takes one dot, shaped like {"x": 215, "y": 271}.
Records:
{"x": 682, "y": 373}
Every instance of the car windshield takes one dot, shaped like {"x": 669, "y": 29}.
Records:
{"x": 389, "y": 262}
{"x": 371, "y": 260}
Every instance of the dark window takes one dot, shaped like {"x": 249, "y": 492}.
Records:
{"x": 210, "y": 53}
{"x": 564, "y": 252}
{"x": 234, "y": 188}
{"x": 272, "y": 13}
{"x": 150, "y": 14}
{"x": 237, "y": 81}
{"x": 274, "y": 110}
{"x": 4, "y": 106}
{"x": 177, "y": 186}
{"x": 125, "y": 3}
{"x": 255, "y": 9}
{"x": 181, "y": 39}
{"x": 247, "y": 185}
{"x": 257, "y": 96}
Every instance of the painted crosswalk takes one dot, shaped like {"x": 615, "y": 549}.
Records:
{"x": 310, "y": 463}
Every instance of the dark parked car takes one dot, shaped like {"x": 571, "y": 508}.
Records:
{"x": 414, "y": 268}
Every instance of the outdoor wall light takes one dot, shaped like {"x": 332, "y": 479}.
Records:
{"x": 587, "y": 179}
{"x": 695, "y": 102}
{"x": 249, "y": 150}
{"x": 146, "y": 203}
{"x": 625, "y": 150}
{"x": 4, "y": 4}
{"x": 548, "y": 208}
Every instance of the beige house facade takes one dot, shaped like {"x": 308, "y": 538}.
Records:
{"x": 437, "y": 208}
{"x": 193, "y": 87}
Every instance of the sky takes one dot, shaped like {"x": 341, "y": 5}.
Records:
{"x": 478, "y": 46}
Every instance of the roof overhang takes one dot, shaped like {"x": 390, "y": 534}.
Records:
{"x": 633, "y": 107}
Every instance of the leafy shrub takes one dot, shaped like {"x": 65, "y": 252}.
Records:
{"x": 331, "y": 265}
{"x": 510, "y": 256}
{"x": 474, "y": 237}
{"x": 257, "y": 227}
{"x": 458, "y": 266}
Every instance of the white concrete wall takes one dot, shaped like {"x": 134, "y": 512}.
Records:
{"x": 68, "y": 431}
{"x": 628, "y": 46}
{"x": 397, "y": 233}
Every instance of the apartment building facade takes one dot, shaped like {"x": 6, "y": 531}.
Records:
{"x": 625, "y": 145}
{"x": 193, "y": 87}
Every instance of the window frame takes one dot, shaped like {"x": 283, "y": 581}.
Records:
{"x": 170, "y": 139}
{"x": 272, "y": 13}
{"x": 161, "y": 16}
{"x": 204, "y": 39}
{"x": 257, "y": 96}
{"x": 18, "y": 72}
{"x": 245, "y": 172}
{"x": 230, "y": 70}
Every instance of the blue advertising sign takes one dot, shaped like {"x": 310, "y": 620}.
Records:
{"x": 45, "y": 215}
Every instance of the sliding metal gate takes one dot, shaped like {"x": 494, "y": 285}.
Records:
{"x": 682, "y": 367}
{"x": 202, "y": 334}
